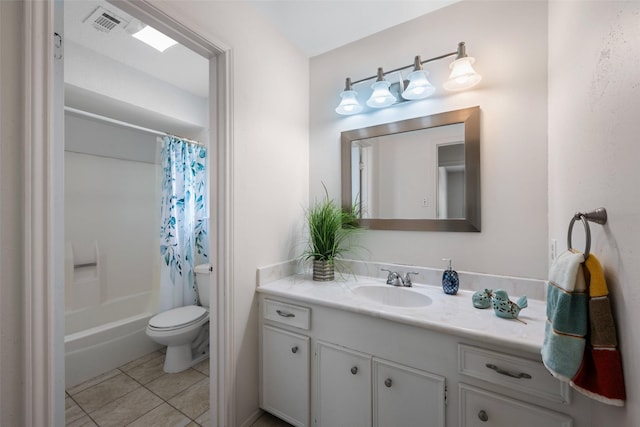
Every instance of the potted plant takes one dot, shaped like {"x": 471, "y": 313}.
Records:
{"x": 331, "y": 231}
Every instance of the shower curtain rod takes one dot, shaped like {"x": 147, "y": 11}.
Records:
{"x": 126, "y": 124}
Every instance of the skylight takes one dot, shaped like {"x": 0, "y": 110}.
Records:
{"x": 154, "y": 38}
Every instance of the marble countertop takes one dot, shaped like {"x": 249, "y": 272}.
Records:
{"x": 454, "y": 315}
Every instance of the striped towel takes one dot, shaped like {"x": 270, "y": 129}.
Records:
{"x": 600, "y": 375}
{"x": 566, "y": 327}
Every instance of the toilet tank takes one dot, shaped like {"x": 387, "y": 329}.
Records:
{"x": 202, "y": 282}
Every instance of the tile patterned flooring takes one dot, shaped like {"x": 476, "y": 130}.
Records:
{"x": 141, "y": 394}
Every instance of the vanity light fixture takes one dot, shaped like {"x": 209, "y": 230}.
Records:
{"x": 462, "y": 77}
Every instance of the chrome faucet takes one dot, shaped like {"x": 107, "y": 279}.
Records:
{"x": 395, "y": 279}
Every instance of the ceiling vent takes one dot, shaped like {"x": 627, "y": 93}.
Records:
{"x": 105, "y": 21}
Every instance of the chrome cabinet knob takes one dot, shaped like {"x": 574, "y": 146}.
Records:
{"x": 388, "y": 382}
{"x": 354, "y": 370}
{"x": 294, "y": 350}
{"x": 484, "y": 417}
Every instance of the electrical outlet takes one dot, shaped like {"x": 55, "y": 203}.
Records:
{"x": 554, "y": 249}
{"x": 425, "y": 202}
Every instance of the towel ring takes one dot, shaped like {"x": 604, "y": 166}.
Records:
{"x": 598, "y": 216}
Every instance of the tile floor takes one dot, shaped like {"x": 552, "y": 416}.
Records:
{"x": 141, "y": 394}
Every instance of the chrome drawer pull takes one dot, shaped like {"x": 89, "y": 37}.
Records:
{"x": 507, "y": 373}
{"x": 388, "y": 382}
{"x": 285, "y": 313}
{"x": 483, "y": 416}
{"x": 354, "y": 370}
{"x": 294, "y": 350}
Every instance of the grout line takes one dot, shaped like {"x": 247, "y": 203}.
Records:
{"x": 188, "y": 417}
{"x": 142, "y": 415}
{"x": 92, "y": 385}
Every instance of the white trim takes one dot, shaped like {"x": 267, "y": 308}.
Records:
{"x": 41, "y": 379}
{"x": 44, "y": 367}
{"x": 224, "y": 240}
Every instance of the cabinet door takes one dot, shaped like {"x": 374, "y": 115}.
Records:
{"x": 344, "y": 387}
{"x": 480, "y": 408}
{"x": 285, "y": 375}
{"x": 406, "y": 397}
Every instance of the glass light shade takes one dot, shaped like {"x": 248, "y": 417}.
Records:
{"x": 462, "y": 76}
{"x": 349, "y": 104}
{"x": 419, "y": 86}
{"x": 381, "y": 97}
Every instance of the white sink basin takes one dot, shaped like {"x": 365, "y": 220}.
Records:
{"x": 392, "y": 295}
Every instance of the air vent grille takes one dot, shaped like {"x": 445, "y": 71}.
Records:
{"x": 106, "y": 22}
{"x": 103, "y": 20}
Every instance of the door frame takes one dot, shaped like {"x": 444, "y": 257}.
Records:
{"x": 43, "y": 204}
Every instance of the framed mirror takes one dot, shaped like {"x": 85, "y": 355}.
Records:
{"x": 420, "y": 174}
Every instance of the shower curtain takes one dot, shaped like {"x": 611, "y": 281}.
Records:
{"x": 183, "y": 230}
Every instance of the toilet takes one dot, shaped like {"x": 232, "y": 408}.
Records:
{"x": 184, "y": 330}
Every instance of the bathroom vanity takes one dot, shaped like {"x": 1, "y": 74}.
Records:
{"x": 337, "y": 354}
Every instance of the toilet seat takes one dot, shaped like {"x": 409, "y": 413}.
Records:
{"x": 178, "y": 318}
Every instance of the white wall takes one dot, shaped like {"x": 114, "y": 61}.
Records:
{"x": 594, "y": 93}
{"x": 270, "y": 129}
{"x": 11, "y": 190}
{"x": 114, "y": 202}
{"x": 509, "y": 42}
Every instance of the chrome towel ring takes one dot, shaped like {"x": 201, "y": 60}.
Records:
{"x": 598, "y": 216}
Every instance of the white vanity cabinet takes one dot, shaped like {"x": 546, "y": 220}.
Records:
{"x": 356, "y": 367}
{"x": 285, "y": 363}
{"x": 404, "y": 396}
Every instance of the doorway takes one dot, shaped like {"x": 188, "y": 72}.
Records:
{"x": 122, "y": 96}
{"x": 44, "y": 206}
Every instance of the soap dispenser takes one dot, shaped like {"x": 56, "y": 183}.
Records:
{"x": 450, "y": 282}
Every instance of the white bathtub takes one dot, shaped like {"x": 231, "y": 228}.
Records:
{"x": 99, "y": 339}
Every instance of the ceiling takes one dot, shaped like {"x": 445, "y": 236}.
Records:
{"x": 119, "y": 45}
{"x": 318, "y": 26}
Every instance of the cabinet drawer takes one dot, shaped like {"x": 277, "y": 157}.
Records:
{"x": 480, "y": 408}
{"x": 287, "y": 314}
{"x": 515, "y": 373}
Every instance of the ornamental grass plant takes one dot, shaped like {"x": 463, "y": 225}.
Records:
{"x": 331, "y": 232}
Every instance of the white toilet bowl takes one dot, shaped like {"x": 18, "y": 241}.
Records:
{"x": 178, "y": 329}
{"x": 184, "y": 330}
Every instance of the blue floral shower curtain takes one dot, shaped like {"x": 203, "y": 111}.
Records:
{"x": 183, "y": 230}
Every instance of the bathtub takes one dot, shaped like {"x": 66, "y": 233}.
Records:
{"x": 99, "y": 339}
